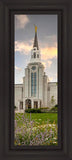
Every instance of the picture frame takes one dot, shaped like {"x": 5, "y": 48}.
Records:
{"x": 36, "y": 96}
{"x": 7, "y": 10}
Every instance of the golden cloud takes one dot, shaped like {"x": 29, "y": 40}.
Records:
{"x": 44, "y": 63}
{"x": 48, "y": 53}
{"x": 51, "y": 79}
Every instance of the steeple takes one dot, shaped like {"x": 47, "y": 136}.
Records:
{"x": 35, "y": 39}
{"x": 35, "y": 52}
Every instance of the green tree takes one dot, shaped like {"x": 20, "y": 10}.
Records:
{"x": 52, "y": 101}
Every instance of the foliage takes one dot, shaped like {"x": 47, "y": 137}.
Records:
{"x": 33, "y": 110}
{"x": 56, "y": 105}
{"x": 52, "y": 101}
{"x": 15, "y": 107}
{"x": 54, "y": 109}
{"x": 32, "y": 132}
{"x": 39, "y": 110}
{"x": 45, "y": 108}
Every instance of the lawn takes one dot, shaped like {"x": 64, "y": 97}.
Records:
{"x": 36, "y": 128}
{"x": 41, "y": 118}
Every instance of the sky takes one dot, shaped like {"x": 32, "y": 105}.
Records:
{"x": 47, "y": 41}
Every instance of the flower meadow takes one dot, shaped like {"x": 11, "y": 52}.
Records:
{"x": 33, "y": 133}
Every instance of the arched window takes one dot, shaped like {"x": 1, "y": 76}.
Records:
{"x": 34, "y": 54}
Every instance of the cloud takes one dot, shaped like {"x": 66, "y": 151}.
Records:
{"x": 52, "y": 38}
{"x": 56, "y": 76}
{"x": 48, "y": 47}
{"x": 49, "y": 63}
{"x": 23, "y": 47}
{"x": 44, "y": 63}
{"x": 21, "y": 21}
{"x": 51, "y": 79}
{"x": 52, "y": 76}
{"x": 21, "y": 80}
{"x": 48, "y": 53}
{"x": 18, "y": 68}
{"x": 48, "y": 40}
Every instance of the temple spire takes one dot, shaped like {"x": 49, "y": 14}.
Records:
{"x": 35, "y": 39}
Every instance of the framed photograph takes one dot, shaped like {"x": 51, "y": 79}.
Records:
{"x": 36, "y": 80}
{"x": 36, "y": 91}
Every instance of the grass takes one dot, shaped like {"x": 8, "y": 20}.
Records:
{"x": 40, "y": 118}
{"x": 36, "y": 129}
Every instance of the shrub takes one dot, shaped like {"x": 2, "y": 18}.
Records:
{"x": 45, "y": 108}
{"x": 52, "y": 101}
{"x": 56, "y": 105}
{"x": 54, "y": 109}
{"x": 33, "y": 110}
{"x": 15, "y": 107}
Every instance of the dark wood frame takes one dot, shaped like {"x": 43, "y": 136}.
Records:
{"x": 64, "y": 10}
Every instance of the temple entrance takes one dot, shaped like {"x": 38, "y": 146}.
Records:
{"x": 27, "y": 103}
{"x": 35, "y": 104}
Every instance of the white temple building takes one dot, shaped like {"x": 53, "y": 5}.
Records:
{"x": 36, "y": 91}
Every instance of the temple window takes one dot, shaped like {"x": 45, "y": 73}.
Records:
{"x": 34, "y": 54}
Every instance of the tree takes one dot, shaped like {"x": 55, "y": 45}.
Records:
{"x": 52, "y": 101}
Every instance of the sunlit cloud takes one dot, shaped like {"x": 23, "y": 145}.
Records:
{"x": 18, "y": 68}
{"x": 51, "y": 79}
{"x": 21, "y": 21}
{"x": 48, "y": 53}
{"x": 23, "y": 47}
{"x": 49, "y": 63}
{"x": 44, "y": 63}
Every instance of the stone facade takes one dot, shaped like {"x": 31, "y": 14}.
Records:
{"x": 51, "y": 92}
{"x": 18, "y": 96}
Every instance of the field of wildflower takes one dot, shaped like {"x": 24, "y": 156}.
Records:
{"x": 36, "y": 129}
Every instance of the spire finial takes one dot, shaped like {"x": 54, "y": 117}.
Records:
{"x": 35, "y": 28}
{"x": 35, "y": 39}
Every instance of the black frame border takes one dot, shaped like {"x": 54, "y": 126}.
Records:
{"x": 66, "y": 151}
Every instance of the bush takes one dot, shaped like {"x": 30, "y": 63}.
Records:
{"x": 15, "y": 107}
{"x": 54, "y": 109}
{"x": 33, "y": 110}
{"x": 56, "y": 105}
{"x": 45, "y": 108}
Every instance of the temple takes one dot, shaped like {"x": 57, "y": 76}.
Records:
{"x": 36, "y": 90}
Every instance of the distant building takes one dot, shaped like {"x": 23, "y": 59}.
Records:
{"x": 36, "y": 91}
